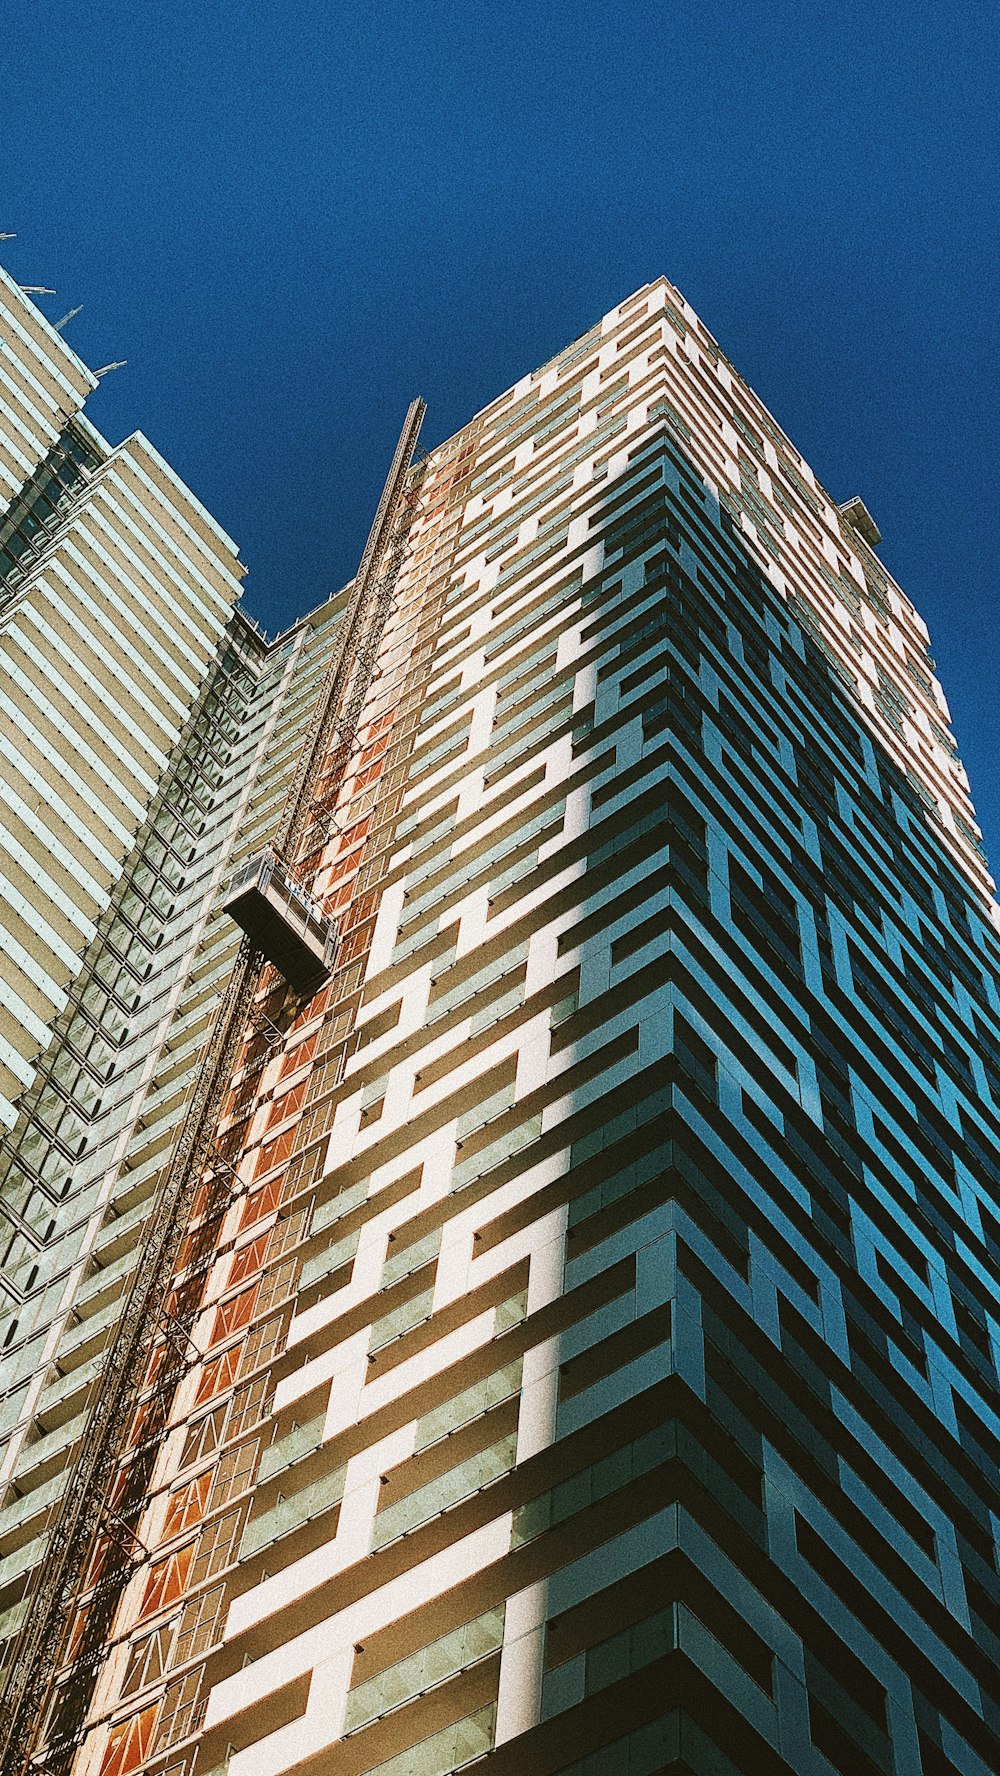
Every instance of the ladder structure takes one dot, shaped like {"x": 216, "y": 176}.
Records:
{"x": 86, "y": 1515}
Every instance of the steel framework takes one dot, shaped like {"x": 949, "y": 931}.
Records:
{"x": 86, "y": 1517}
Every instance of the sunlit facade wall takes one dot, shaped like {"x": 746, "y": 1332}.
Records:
{"x": 582, "y": 1356}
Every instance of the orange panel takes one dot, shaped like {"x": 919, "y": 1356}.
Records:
{"x": 275, "y": 1152}
{"x": 340, "y": 897}
{"x": 297, "y": 1057}
{"x": 128, "y": 1745}
{"x": 342, "y": 866}
{"x": 154, "y": 1365}
{"x": 183, "y": 1300}
{"x": 140, "y": 1425}
{"x": 250, "y": 1258}
{"x": 234, "y": 1314}
{"x": 261, "y": 1203}
{"x": 286, "y": 1105}
{"x": 353, "y": 835}
{"x": 317, "y": 1005}
{"x": 363, "y": 779}
{"x": 219, "y": 1374}
{"x": 187, "y": 1505}
{"x": 167, "y": 1581}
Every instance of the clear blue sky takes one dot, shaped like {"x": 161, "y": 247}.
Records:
{"x": 291, "y": 217}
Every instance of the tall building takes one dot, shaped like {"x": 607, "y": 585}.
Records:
{"x": 503, "y": 1170}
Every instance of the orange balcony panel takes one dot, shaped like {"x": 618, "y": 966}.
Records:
{"x": 187, "y": 1505}
{"x": 364, "y": 779}
{"x": 274, "y": 1153}
{"x": 287, "y": 1105}
{"x": 129, "y": 1744}
{"x": 262, "y": 1202}
{"x": 167, "y": 1581}
{"x": 298, "y": 1056}
{"x": 250, "y": 1258}
{"x": 217, "y": 1375}
{"x": 234, "y": 1314}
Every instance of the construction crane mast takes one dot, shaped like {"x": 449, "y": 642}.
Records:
{"x": 85, "y": 1513}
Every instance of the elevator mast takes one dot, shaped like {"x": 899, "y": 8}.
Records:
{"x": 85, "y": 1514}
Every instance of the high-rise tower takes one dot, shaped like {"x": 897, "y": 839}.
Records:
{"x": 532, "y": 1304}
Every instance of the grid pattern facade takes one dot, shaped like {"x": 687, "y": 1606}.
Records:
{"x": 582, "y": 1356}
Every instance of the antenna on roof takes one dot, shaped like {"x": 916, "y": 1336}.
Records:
{"x": 68, "y": 316}
{"x": 118, "y": 365}
{"x": 36, "y": 290}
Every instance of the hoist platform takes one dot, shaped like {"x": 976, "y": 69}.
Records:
{"x": 282, "y": 919}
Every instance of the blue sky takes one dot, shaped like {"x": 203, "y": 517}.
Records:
{"x": 291, "y": 218}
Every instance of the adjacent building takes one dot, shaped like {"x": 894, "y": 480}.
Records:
{"x": 554, "y": 1329}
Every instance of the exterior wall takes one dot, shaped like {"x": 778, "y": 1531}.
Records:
{"x": 584, "y": 1343}
{"x": 106, "y": 642}
{"x": 115, "y": 588}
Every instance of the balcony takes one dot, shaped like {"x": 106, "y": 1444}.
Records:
{"x": 284, "y": 921}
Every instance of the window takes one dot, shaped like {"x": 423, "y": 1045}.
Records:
{"x": 215, "y": 1547}
{"x": 180, "y": 1713}
{"x": 250, "y": 1404}
{"x": 288, "y": 1233}
{"x": 262, "y": 1344}
{"x": 198, "y": 1625}
{"x": 167, "y": 1580}
{"x": 218, "y": 1375}
{"x": 234, "y": 1314}
{"x": 203, "y": 1437}
{"x": 278, "y": 1284}
{"x": 234, "y": 1472}
{"x": 148, "y": 1659}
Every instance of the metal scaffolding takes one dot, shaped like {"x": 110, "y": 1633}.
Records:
{"x": 88, "y": 1529}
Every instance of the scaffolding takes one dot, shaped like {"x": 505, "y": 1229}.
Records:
{"x": 87, "y": 1529}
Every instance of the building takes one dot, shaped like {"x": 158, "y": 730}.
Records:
{"x": 564, "y": 1340}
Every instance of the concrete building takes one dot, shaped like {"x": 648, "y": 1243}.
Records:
{"x": 562, "y": 1336}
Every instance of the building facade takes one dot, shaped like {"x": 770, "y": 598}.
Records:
{"x": 569, "y": 1336}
